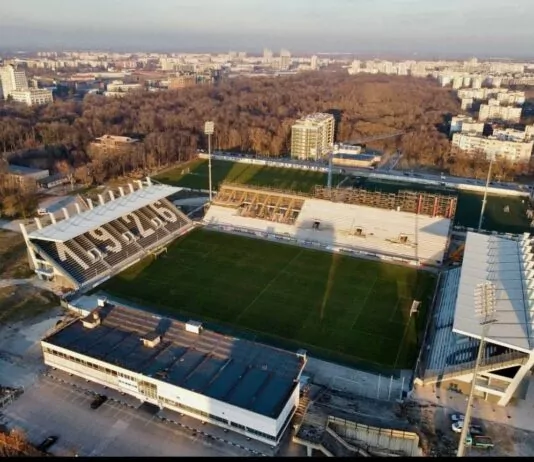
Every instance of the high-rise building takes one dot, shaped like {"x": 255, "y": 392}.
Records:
{"x": 312, "y": 137}
{"x": 314, "y": 62}
{"x": 267, "y": 55}
{"x": 12, "y": 80}
{"x": 285, "y": 59}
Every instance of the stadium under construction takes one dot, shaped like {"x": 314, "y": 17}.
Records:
{"x": 203, "y": 372}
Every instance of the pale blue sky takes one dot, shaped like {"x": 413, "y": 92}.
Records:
{"x": 489, "y": 27}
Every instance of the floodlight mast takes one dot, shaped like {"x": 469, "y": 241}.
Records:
{"x": 485, "y": 308}
{"x": 209, "y": 128}
{"x": 485, "y": 199}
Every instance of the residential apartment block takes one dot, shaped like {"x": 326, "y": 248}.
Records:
{"x": 466, "y": 124}
{"x": 12, "y": 80}
{"x": 494, "y": 146}
{"x": 312, "y": 137}
{"x": 493, "y": 111}
{"x": 33, "y": 96}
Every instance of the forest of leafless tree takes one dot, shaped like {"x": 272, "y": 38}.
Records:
{"x": 251, "y": 115}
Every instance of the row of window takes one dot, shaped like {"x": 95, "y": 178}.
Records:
{"x": 89, "y": 364}
{"x": 81, "y": 361}
{"x": 150, "y": 390}
{"x": 216, "y": 418}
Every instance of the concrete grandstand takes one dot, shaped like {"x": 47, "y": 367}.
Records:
{"x": 402, "y": 228}
{"x": 82, "y": 250}
{"x": 455, "y": 330}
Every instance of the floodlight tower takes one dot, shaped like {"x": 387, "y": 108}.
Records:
{"x": 485, "y": 309}
{"x": 209, "y": 128}
{"x": 484, "y": 200}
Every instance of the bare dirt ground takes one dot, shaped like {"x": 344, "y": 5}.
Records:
{"x": 13, "y": 260}
{"x": 430, "y": 421}
{"x": 433, "y": 425}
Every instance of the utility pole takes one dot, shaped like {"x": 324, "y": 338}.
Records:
{"x": 330, "y": 155}
{"x": 484, "y": 200}
{"x": 209, "y": 128}
{"x": 485, "y": 309}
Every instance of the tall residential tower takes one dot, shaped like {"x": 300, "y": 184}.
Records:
{"x": 312, "y": 137}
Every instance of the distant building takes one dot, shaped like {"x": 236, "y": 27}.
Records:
{"x": 182, "y": 81}
{"x": 529, "y": 132}
{"x": 53, "y": 180}
{"x": 25, "y": 177}
{"x": 494, "y": 146}
{"x": 466, "y": 104}
{"x": 312, "y": 137}
{"x": 113, "y": 143}
{"x": 285, "y": 60}
{"x": 33, "y": 96}
{"x": 347, "y": 155}
{"x": 12, "y": 80}
{"x": 118, "y": 86}
{"x": 492, "y": 111}
{"x": 476, "y": 82}
{"x": 511, "y": 97}
{"x": 314, "y": 63}
{"x": 466, "y": 124}
{"x": 267, "y": 56}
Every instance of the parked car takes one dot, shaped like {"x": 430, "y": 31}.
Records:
{"x": 482, "y": 442}
{"x": 457, "y": 417}
{"x": 98, "y": 401}
{"x": 47, "y": 443}
{"x": 473, "y": 429}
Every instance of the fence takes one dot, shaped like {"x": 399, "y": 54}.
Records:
{"x": 303, "y": 165}
{"x": 365, "y": 384}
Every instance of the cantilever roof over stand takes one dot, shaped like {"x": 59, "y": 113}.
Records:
{"x": 506, "y": 263}
{"x": 84, "y": 222}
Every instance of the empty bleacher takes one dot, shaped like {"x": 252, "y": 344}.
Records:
{"x": 103, "y": 250}
{"x": 379, "y": 231}
{"x": 450, "y": 354}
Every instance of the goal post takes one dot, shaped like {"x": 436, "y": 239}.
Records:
{"x": 415, "y": 307}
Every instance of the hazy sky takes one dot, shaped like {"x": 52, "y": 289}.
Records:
{"x": 483, "y": 27}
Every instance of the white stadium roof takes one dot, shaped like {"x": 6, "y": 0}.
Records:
{"x": 88, "y": 220}
{"x": 500, "y": 261}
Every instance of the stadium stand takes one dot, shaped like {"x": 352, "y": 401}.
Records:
{"x": 86, "y": 248}
{"x": 451, "y": 355}
{"x": 388, "y": 232}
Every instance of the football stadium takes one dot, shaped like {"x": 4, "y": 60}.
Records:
{"x": 224, "y": 311}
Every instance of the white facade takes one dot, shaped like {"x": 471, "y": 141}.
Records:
{"x": 11, "y": 80}
{"x": 313, "y": 136}
{"x": 493, "y": 146}
{"x": 160, "y": 392}
{"x": 466, "y": 124}
{"x": 492, "y": 111}
{"x": 33, "y": 97}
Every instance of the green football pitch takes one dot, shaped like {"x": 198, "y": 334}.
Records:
{"x": 195, "y": 175}
{"x": 337, "y": 307}
{"x": 502, "y": 214}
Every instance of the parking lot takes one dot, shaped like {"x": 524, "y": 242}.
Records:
{"x": 52, "y": 407}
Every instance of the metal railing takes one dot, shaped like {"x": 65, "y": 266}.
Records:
{"x": 513, "y": 358}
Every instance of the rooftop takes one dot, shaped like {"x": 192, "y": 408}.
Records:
{"x": 498, "y": 260}
{"x": 88, "y": 220}
{"x": 21, "y": 170}
{"x": 245, "y": 374}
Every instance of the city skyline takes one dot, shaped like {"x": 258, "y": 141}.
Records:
{"x": 351, "y": 26}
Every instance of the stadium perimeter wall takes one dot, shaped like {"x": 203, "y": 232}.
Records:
{"x": 299, "y": 165}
